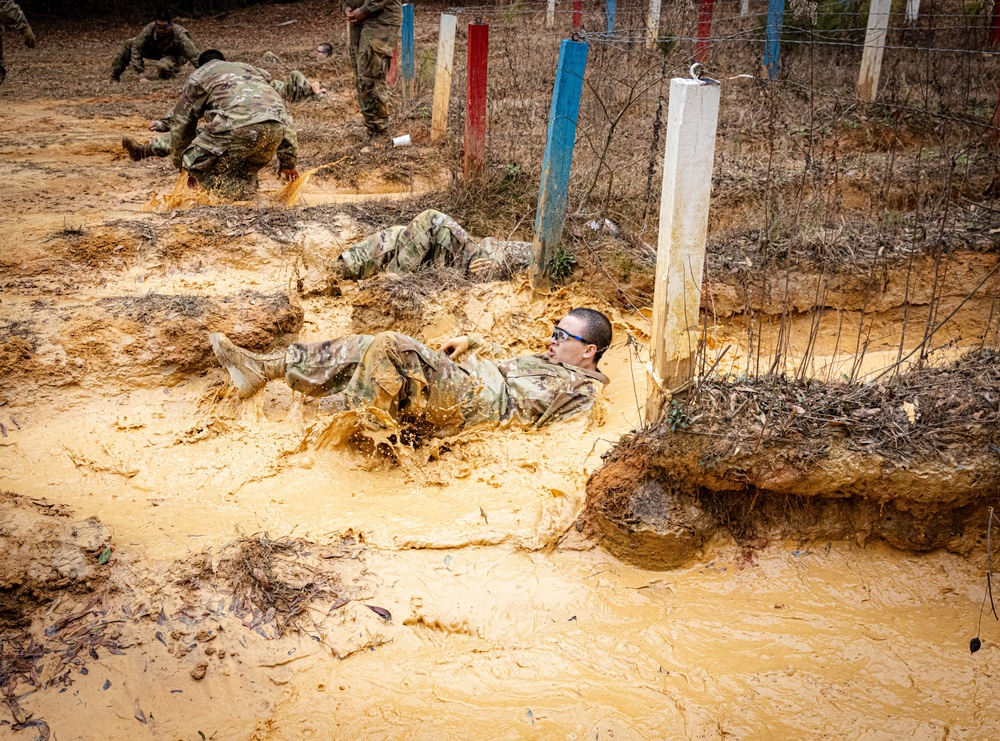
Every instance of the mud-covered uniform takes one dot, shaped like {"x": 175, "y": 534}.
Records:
{"x": 432, "y": 238}
{"x": 10, "y": 12}
{"x": 295, "y": 88}
{"x": 372, "y": 42}
{"x": 170, "y": 52}
{"x": 246, "y": 124}
{"x": 406, "y": 379}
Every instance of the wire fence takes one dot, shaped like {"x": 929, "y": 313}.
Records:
{"x": 805, "y": 175}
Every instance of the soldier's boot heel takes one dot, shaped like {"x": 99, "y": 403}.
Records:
{"x": 249, "y": 371}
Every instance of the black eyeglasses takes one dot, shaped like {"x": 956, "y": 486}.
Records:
{"x": 561, "y": 335}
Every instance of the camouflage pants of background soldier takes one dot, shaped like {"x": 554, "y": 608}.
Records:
{"x": 433, "y": 238}
{"x": 395, "y": 374}
{"x": 371, "y": 51}
{"x": 228, "y": 162}
{"x": 166, "y": 67}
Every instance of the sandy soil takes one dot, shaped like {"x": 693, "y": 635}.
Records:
{"x": 148, "y": 615}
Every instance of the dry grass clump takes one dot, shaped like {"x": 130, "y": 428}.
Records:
{"x": 273, "y": 581}
{"x": 951, "y": 412}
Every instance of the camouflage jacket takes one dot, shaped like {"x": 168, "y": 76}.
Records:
{"x": 383, "y": 12}
{"x": 531, "y": 389}
{"x": 229, "y": 95}
{"x": 147, "y": 45}
{"x": 10, "y": 12}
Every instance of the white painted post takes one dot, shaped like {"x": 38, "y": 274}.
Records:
{"x": 550, "y": 14}
{"x": 680, "y": 257}
{"x": 442, "y": 77}
{"x": 871, "y": 60}
{"x": 652, "y": 23}
{"x": 912, "y": 10}
{"x": 744, "y": 7}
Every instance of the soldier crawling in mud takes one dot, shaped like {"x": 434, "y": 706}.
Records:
{"x": 374, "y": 28}
{"x": 294, "y": 88}
{"x": 393, "y": 376}
{"x": 432, "y": 238}
{"x": 168, "y": 44}
{"x": 10, "y": 12}
{"x": 246, "y": 125}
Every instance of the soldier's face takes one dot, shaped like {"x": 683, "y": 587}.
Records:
{"x": 571, "y": 351}
{"x": 321, "y": 55}
{"x": 162, "y": 28}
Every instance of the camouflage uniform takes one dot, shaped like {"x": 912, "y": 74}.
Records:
{"x": 294, "y": 88}
{"x": 372, "y": 42}
{"x": 432, "y": 238}
{"x": 407, "y": 380}
{"x": 10, "y": 12}
{"x": 170, "y": 52}
{"x": 246, "y": 124}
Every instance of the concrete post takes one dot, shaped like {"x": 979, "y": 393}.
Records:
{"x": 550, "y": 14}
{"x": 559, "y": 141}
{"x": 912, "y": 10}
{"x": 744, "y": 7}
{"x": 871, "y": 59}
{"x": 652, "y": 23}
{"x": 442, "y": 77}
{"x": 680, "y": 259}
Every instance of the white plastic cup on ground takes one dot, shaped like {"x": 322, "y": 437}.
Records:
{"x": 401, "y": 141}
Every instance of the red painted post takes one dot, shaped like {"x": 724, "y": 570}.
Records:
{"x": 475, "y": 98}
{"x": 393, "y": 74}
{"x": 705, "y": 9}
{"x": 577, "y": 13}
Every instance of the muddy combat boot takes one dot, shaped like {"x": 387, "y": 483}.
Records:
{"x": 136, "y": 150}
{"x": 249, "y": 371}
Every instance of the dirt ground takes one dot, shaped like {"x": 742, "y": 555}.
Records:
{"x": 183, "y": 564}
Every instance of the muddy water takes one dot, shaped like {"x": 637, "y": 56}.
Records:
{"x": 502, "y": 628}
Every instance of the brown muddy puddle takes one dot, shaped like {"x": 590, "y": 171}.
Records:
{"x": 503, "y": 625}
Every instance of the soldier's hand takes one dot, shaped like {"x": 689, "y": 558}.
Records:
{"x": 289, "y": 175}
{"x": 456, "y": 347}
{"x": 481, "y": 267}
{"x": 29, "y": 38}
{"x": 153, "y": 125}
{"x": 143, "y": 79}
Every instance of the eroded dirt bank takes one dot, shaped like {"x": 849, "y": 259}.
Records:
{"x": 913, "y": 460}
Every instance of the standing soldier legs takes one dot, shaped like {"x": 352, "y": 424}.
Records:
{"x": 371, "y": 51}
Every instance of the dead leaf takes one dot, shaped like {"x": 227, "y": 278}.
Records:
{"x": 380, "y": 611}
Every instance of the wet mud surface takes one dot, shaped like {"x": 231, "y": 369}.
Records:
{"x": 179, "y": 562}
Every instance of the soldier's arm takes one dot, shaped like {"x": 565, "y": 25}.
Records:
{"x": 568, "y": 404}
{"x": 288, "y": 150}
{"x": 138, "y": 64}
{"x": 184, "y": 122}
{"x": 479, "y": 343}
{"x": 371, "y": 7}
{"x": 189, "y": 49}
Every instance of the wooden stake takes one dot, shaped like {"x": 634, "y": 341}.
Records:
{"x": 550, "y": 14}
{"x": 680, "y": 259}
{"x": 554, "y": 190}
{"x": 871, "y": 59}
{"x": 653, "y": 24}
{"x": 442, "y": 77}
{"x": 475, "y": 98}
{"x": 912, "y": 10}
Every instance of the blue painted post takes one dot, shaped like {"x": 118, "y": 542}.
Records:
{"x": 609, "y": 16}
{"x": 772, "y": 47}
{"x": 559, "y": 141}
{"x": 409, "y": 76}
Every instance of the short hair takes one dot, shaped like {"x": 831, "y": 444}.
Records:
{"x": 325, "y": 47}
{"x": 210, "y": 55}
{"x": 598, "y": 329}
{"x": 162, "y": 15}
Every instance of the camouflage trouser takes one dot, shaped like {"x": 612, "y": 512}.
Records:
{"x": 166, "y": 67}
{"x": 159, "y": 146}
{"x": 432, "y": 238}
{"x": 395, "y": 374}
{"x": 372, "y": 43}
{"x": 228, "y": 162}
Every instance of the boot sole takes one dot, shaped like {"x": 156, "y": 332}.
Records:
{"x": 235, "y": 374}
